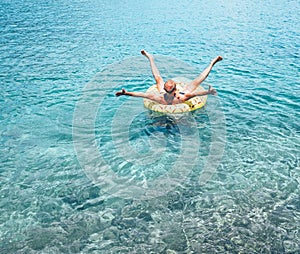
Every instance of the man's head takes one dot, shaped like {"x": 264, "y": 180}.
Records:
{"x": 170, "y": 86}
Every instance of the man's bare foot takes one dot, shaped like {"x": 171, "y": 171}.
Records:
{"x": 217, "y": 59}
{"x": 145, "y": 53}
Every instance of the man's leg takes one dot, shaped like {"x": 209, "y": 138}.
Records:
{"x": 158, "y": 79}
{"x": 197, "y": 81}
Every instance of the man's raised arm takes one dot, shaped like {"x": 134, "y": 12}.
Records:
{"x": 201, "y": 93}
{"x": 149, "y": 96}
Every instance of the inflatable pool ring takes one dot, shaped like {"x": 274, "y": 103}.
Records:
{"x": 189, "y": 105}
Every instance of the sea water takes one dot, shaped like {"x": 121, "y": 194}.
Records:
{"x": 85, "y": 172}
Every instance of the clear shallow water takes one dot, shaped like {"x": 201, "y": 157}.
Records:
{"x": 50, "y": 50}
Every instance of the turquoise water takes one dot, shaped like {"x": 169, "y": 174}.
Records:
{"x": 51, "y": 201}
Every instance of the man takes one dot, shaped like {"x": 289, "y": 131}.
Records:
{"x": 168, "y": 93}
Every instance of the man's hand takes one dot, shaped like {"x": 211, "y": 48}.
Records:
{"x": 123, "y": 92}
{"x": 211, "y": 90}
